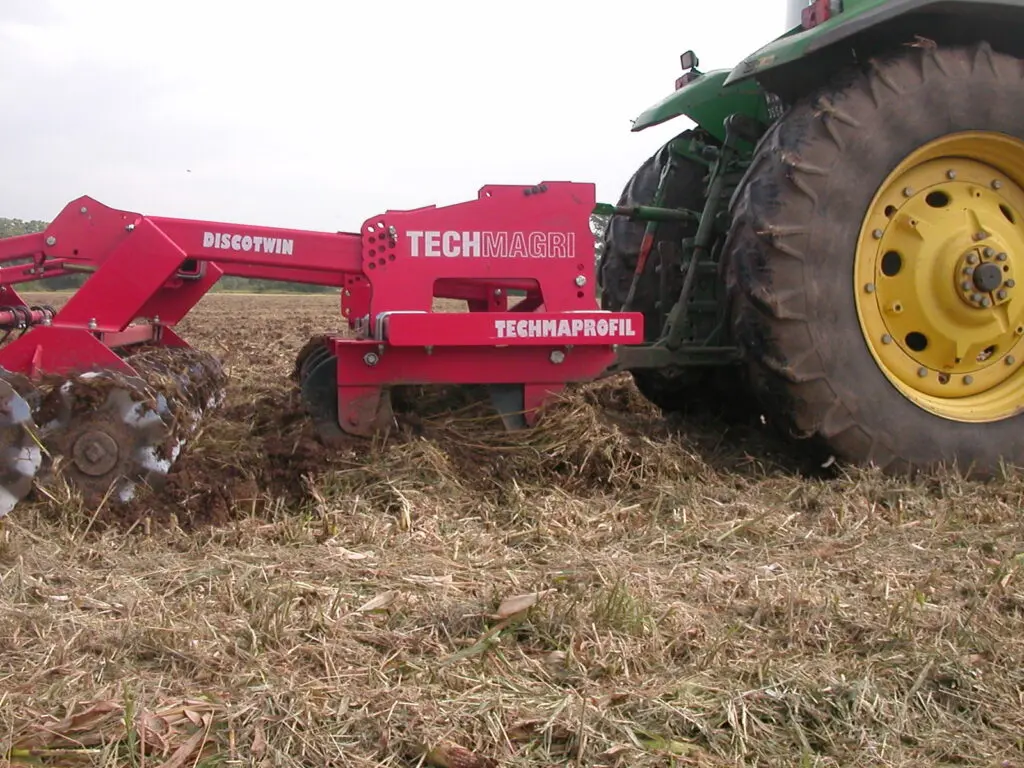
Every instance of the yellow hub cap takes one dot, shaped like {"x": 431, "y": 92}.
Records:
{"x": 936, "y": 270}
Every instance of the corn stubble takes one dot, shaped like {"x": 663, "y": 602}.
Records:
{"x": 611, "y": 589}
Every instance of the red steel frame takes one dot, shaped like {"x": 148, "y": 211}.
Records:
{"x": 148, "y": 272}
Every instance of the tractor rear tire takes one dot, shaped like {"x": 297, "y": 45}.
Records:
{"x": 870, "y": 264}
{"x": 669, "y": 390}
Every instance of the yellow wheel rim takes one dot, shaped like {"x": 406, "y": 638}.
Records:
{"x": 937, "y": 261}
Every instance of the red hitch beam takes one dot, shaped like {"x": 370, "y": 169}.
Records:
{"x": 148, "y": 272}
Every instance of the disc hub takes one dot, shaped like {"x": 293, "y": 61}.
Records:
{"x": 95, "y": 453}
{"x": 936, "y": 282}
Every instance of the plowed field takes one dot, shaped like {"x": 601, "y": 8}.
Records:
{"x": 612, "y": 589}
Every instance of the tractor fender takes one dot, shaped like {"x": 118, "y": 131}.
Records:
{"x": 866, "y": 20}
{"x": 707, "y": 101}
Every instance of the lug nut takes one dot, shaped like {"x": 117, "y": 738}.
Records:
{"x": 968, "y": 270}
{"x": 887, "y": 339}
{"x": 997, "y": 184}
{"x": 581, "y": 280}
{"x": 870, "y": 287}
{"x": 950, "y": 175}
{"x": 908, "y": 191}
{"x": 972, "y": 258}
{"x": 371, "y": 359}
{"x": 1010, "y": 360}
{"x": 989, "y": 252}
{"x": 922, "y": 372}
{"x": 1001, "y": 257}
{"x": 1010, "y": 283}
{"x": 980, "y": 235}
{"x": 1001, "y": 295}
{"x": 877, "y": 234}
{"x": 986, "y": 302}
{"x": 968, "y": 379}
{"x": 976, "y": 298}
{"x": 966, "y": 284}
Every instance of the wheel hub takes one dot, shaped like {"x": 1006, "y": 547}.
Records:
{"x": 935, "y": 269}
{"x": 987, "y": 278}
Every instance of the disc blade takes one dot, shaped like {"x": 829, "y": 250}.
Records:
{"x": 113, "y": 433}
{"x": 320, "y": 397}
{"x": 20, "y": 452}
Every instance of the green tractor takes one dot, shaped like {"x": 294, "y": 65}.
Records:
{"x": 840, "y": 237}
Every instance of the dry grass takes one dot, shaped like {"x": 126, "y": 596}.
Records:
{"x": 607, "y": 590}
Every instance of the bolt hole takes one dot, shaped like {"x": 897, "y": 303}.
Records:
{"x": 1005, "y": 209}
{"x": 937, "y": 199}
{"x": 916, "y": 341}
{"x": 890, "y": 211}
{"x": 943, "y": 378}
{"x": 1006, "y": 268}
{"x": 579, "y": 294}
{"x": 892, "y": 262}
{"x": 986, "y": 353}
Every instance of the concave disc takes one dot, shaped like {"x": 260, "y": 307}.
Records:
{"x": 20, "y": 453}
{"x": 320, "y": 395}
{"x": 112, "y": 432}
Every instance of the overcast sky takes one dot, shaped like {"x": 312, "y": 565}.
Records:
{"x": 320, "y": 114}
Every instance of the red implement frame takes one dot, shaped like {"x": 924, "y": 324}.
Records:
{"x": 148, "y": 272}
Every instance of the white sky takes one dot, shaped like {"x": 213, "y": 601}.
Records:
{"x": 320, "y": 114}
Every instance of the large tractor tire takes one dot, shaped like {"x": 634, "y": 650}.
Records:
{"x": 668, "y": 389}
{"x": 877, "y": 245}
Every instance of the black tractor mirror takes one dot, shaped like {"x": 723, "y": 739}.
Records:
{"x": 689, "y": 60}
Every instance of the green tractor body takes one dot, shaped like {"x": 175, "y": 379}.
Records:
{"x": 838, "y": 240}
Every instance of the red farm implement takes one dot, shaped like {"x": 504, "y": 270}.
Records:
{"x": 106, "y": 387}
